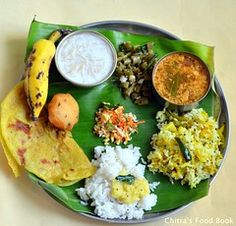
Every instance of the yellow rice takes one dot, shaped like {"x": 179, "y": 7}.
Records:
{"x": 200, "y": 135}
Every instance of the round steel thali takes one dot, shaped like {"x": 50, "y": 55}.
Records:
{"x": 140, "y": 28}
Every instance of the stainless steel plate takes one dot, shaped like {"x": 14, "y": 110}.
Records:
{"x": 140, "y": 28}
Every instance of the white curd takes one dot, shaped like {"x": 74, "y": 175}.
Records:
{"x": 85, "y": 58}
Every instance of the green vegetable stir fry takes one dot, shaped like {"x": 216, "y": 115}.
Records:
{"x": 134, "y": 71}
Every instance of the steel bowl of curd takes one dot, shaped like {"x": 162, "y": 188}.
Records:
{"x": 86, "y": 58}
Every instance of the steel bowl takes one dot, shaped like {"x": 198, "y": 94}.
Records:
{"x": 180, "y": 107}
{"x": 97, "y": 35}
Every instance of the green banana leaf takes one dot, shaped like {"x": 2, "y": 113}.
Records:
{"x": 170, "y": 196}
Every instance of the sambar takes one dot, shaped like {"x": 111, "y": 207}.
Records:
{"x": 181, "y": 78}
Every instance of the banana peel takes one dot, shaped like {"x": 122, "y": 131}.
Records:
{"x": 36, "y": 72}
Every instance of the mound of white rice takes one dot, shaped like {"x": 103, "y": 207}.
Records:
{"x": 110, "y": 162}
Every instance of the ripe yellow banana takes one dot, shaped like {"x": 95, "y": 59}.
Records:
{"x": 36, "y": 73}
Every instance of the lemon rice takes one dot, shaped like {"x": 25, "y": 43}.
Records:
{"x": 200, "y": 135}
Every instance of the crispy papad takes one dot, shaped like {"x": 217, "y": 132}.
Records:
{"x": 49, "y": 153}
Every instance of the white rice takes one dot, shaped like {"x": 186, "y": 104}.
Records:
{"x": 153, "y": 186}
{"x": 109, "y": 162}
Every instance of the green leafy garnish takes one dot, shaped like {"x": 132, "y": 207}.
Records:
{"x": 175, "y": 84}
{"x": 110, "y": 126}
{"x": 184, "y": 150}
{"x": 129, "y": 179}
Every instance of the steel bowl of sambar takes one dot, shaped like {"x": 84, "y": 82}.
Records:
{"x": 181, "y": 79}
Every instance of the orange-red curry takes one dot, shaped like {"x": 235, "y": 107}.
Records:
{"x": 181, "y": 78}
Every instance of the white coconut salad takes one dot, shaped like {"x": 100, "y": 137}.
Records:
{"x": 118, "y": 189}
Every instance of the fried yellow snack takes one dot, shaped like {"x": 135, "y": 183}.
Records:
{"x": 37, "y": 146}
{"x": 11, "y": 161}
{"x": 63, "y": 111}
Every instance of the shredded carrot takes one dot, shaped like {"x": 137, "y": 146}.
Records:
{"x": 114, "y": 125}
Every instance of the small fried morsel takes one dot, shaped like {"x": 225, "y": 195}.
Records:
{"x": 63, "y": 111}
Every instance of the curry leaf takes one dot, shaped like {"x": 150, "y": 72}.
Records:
{"x": 129, "y": 179}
